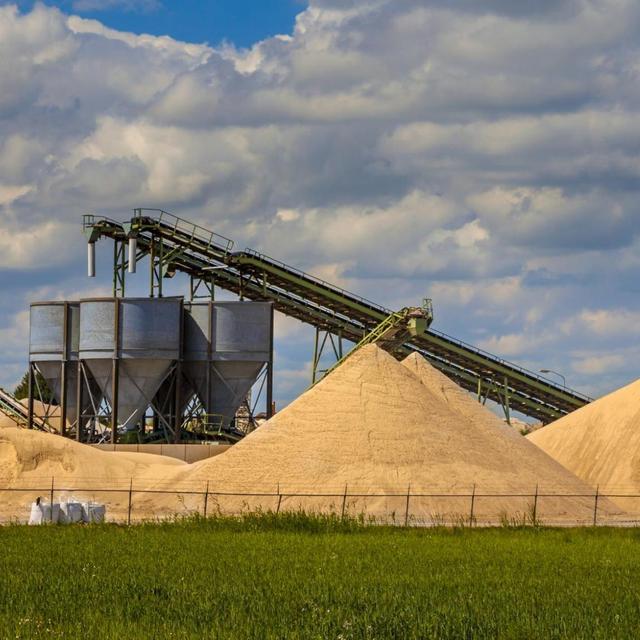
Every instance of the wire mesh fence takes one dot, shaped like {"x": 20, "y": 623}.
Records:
{"x": 133, "y": 502}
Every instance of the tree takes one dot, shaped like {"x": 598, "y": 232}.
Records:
{"x": 22, "y": 390}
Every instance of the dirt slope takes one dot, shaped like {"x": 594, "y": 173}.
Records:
{"x": 375, "y": 427}
{"x": 600, "y": 442}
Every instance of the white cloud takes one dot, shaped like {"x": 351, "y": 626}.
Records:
{"x": 484, "y": 154}
{"x": 597, "y": 365}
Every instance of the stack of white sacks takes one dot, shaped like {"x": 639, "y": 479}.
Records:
{"x": 67, "y": 512}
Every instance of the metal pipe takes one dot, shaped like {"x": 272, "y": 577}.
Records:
{"x": 133, "y": 250}
{"x": 91, "y": 259}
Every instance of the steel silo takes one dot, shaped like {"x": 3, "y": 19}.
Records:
{"x": 226, "y": 345}
{"x": 130, "y": 345}
{"x": 54, "y": 329}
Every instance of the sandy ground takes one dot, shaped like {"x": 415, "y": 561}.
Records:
{"x": 371, "y": 437}
{"x": 376, "y": 426}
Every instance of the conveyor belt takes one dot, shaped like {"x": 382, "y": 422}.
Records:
{"x": 204, "y": 255}
{"x": 18, "y": 412}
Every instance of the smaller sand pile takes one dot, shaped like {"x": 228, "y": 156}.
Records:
{"x": 30, "y": 460}
{"x": 600, "y": 443}
{"x": 374, "y": 427}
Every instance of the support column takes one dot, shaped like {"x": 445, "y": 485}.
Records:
{"x": 79, "y": 402}
{"x": 119, "y": 268}
{"x": 269, "y": 411}
{"x": 30, "y": 402}
{"x": 115, "y": 375}
{"x": 507, "y": 411}
{"x": 64, "y": 371}
{"x": 177, "y": 420}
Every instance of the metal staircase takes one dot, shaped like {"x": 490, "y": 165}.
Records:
{"x": 174, "y": 244}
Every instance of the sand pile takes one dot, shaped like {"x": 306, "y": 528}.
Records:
{"x": 7, "y": 421}
{"x": 29, "y": 460}
{"x": 376, "y": 426}
{"x": 600, "y": 442}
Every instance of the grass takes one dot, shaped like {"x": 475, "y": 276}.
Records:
{"x": 295, "y": 576}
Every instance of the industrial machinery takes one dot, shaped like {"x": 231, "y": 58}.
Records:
{"x": 150, "y": 368}
{"x": 176, "y": 245}
{"x": 394, "y": 331}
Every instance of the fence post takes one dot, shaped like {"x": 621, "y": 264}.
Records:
{"x": 473, "y": 502}
{"x": 344, "y": 501}
{"x": 130, "y": 496}
{"x": 51, "y": 501}
{"x": 535, "y": 508}
{"x": 279, "y": 500}
{"x": 406, "y": 511}
{"x": 206, "y": 499}
{"x": 595, "y": 506}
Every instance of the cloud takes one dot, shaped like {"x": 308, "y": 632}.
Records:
{"x": 597, "y": 365}
{"x": 485, "y": 154}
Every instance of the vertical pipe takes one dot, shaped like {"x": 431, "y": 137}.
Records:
{"x": 79, "y": 402}
{"x": 269, "y": 411}
{"x": 30, "y": 407}
{"x": 133, "y": 251}
{"x": 91, "y": 259}
{"x": 115, "y": 374}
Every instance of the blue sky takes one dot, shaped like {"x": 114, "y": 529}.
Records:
{"x": 483, "y": 154}
{"x": 242, "y": 22}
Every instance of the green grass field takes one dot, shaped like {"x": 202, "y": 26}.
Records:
{"x": 297, "y": 577}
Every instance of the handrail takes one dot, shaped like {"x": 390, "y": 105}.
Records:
{"x": 508, "y": 363}
{"x": 197, "y": 231}
{"x": 316, "y": 280}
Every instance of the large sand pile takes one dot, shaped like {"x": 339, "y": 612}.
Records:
{"x": 31, "y": 460}
{"x": 600, "y": 442}
{"x": 376, "y": 427}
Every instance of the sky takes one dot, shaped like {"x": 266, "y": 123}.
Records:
{"x": 485, "y": 155}
{"x": 241, "y": 22}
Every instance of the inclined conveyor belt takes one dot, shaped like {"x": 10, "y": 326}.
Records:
{"x": 204, "y": 255}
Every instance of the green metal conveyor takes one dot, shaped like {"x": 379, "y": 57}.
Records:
{"x": 174, "y": 244}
